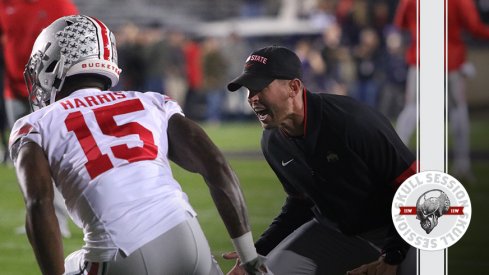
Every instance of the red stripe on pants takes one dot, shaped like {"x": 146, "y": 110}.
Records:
{"x": 93, "y": 269}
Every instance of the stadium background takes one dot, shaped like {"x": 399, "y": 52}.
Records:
{"x": 143, "y": 27}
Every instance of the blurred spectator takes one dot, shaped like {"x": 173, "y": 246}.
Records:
{"x": 336, "y": 59}
{"x": 252, "y": 8}
{"x": 20, "y": 23}
{"x": 174, "y": 66}
{"x": 483, "y": 8}
{"x": 195, "y": 100}
{"x": 131, "y": 58}
{"x": 214, "y": 80}
{"x": 236, "y": 50}
{"x": 380, "y": 20}
{"x": 353, "y": 16}
{"x": 405, "y": 18}
{"x": 368, "y": 63}
{"x": 3, "y": 119}
{"x": 323, "y": 15}
{"x": 462, "y": 15}
{"x": 357, "y": 15}
{"x": 3, "y": 135}
{"x": 395, "y": 68}
{"x": 154, "y": 51}
{"x": 313, "y": 67}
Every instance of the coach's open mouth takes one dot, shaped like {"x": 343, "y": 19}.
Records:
{"x": 262, "y": 114}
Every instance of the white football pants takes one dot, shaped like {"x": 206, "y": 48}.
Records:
{"x": 181, "y": 250}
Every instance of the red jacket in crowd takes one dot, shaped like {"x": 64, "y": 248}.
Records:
{"x": 21, "y": 21}
{"x": 462, "y": 15}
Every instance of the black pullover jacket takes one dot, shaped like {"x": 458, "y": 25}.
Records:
{"x": 346, "y": 168}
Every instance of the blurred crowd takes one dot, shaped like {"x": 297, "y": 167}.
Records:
{"x": 357, "y": 53}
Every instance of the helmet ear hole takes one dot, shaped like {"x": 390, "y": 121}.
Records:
{"x": 51, "y": 66}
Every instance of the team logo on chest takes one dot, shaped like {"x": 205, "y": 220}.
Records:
{"x": 332, "y": 157}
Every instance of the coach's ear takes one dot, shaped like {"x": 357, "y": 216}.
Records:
{"x": 295, "y": 86}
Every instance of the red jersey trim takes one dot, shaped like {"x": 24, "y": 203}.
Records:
{"x": 93, "y": 269}
{"x": 24, "y": 130}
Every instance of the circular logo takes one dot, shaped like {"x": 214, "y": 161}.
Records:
{"x": 431, "y": 210}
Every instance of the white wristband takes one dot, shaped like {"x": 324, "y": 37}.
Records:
{"x": 245, "y": 247}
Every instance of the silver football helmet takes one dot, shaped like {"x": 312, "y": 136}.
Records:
{"x": 71, "y": 45}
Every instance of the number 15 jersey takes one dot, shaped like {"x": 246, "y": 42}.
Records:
{"x": 108, "y": 157}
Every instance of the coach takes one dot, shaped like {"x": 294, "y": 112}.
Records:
{"x": 340, "y": 163}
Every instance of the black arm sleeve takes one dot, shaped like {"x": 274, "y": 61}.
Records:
{"x": 295, "y": 212}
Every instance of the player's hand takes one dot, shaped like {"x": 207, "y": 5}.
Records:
{"x": 237, "y": 269}
{"x": 378, "y": 267}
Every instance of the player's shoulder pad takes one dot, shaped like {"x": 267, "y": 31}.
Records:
{"x": 172, "y": 103}
{"x": 19, "y": 132}
{"x": 25, "y": 125}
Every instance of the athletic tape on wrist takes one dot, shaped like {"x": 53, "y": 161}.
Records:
{"x": 245, "y": 247}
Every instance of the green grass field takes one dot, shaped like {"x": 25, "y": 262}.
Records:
{"x": 264, "y": 196}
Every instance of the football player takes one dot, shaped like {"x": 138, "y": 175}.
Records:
{"x": 108, "y": 153}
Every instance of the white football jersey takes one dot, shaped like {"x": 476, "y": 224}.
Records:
{"x": 108, "y": 157}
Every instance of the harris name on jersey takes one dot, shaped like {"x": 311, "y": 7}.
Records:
{"x": 89, "y": 101}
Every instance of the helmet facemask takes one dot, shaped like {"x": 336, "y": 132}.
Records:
{"x": 42, "y": 95}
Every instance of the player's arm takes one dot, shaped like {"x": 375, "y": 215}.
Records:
{"x": 471, "y": 19}
{"x": 295, "y": 212}
{"x": 400, "y": 20}
{"x": 42, "y": 228}
{"x": 192, "y": 149}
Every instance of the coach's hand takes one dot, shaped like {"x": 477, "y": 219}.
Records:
{"x": 256, "y": 266}
{"x": 253, "y": 267}
{"x": 378, "y": 267}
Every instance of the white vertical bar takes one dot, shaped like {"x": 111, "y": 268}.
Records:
{"x": 431, "y": 107}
